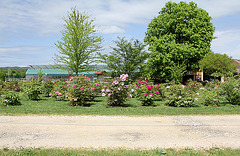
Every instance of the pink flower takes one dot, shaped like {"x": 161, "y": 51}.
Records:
{"x": 115, "y": 82}
{"x": 130, "y": 95}
{"x": 82, "y": 88}
{"x": 103, "y": 94}
{"x": 108, "y": 90}
{"x": 196, "y": 98}
{"x": 97, "y": 84}
{"x": 157, "y": 91}
{"x": 103, "y": 90}
{"x": 93, "y": 88}
{"x": 197, "y": 93}
{"x": 132, "y": 90}
{"x": 145, "y": 94}
{"x": 109, "y": 95}
{"x": 50, "y": 94}
{"x": 151, "y": 94}
{"x": 119, "y": 88}
{"x": 57, "y": 92}
{"x": 158, "y": 87}
{"x": 145, "y": 89}
{"x": 74, "y": 86}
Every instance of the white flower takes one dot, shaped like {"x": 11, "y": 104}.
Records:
{"x": 132, "y": 90}
{"x": 168, "y": 87}
{"x": 119, "y": 88}
{"x": 115, "y": 82}
{"x": 103, "y": 90}
{"x": 74, "y": 99}
{"x": 130, "y": 95}
{"x": 108, "y": 90}
{"x": 103, "y": 94}
{"x": 115, "y": 99}
{"x": 180, "y": 97}
{"x": 197, "y": 93}
{"x": 109, "y": 95}
{"x": 185, "y": 101}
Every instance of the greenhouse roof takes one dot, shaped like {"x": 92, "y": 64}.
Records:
{"x": 57, "y": 72}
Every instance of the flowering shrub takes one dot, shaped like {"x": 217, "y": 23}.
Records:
{"x": 116, "y": 91}
{"x": 212, "y": 98}
{"x": 80, "y": 91}
{"x": 11, "y": 98}
{"x": 180, "y": 96}
{"x": 12, "y": 86}
{"x": 231, "y": 89}
{"x": 47, "y": 88}
{"x": 32, "y": 89}
{"x": 194, "y": 85}
{"x": 147, "y": 92}
{"x": 59, "y": 90}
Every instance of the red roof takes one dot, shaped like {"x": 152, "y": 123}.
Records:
{"x": 99, "y": 72}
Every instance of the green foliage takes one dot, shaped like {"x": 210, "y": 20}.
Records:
{"x": 180, "y": 96}
{"x": 181, "y": 33}
{"x": 116, "y": 91}
{"x": 47, "y": 87}
{"x": 78, "y": 43}
{"x": 217, "y": 65}
{"x": 177, "y": 71}
{"x": 32, "y": 89}
{"x": 80, "y": 91}
{"x": 231, "y": 89}
{"x": 11, "y": 98}
{"x": 126, "y": 58}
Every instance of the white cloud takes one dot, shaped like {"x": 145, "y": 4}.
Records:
{"x": 110, "y": 29}
{"x": 228, "y": 42}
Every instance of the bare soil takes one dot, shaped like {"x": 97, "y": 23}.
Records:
{"x": 120, "y": 132}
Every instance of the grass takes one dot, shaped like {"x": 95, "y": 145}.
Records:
{"x": 119, "y": 152}
{"x": 47, "y": 106}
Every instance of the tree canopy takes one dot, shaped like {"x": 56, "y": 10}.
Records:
{"x": 181, "y": 33}
{"x": 126, "y": 57}
{"x": 78, "y": 43}
{"x": 216, "y": 65}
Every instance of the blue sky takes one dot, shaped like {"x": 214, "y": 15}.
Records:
{"x": 29, "y": 28}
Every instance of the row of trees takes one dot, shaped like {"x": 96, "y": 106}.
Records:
{"x": 12, "y": 73}
{"x": 178, "y": 38}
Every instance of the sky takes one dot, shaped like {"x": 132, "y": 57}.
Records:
{"x": 29, "y": 28}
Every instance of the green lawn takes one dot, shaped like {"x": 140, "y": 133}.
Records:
{"x": 133, "y": 107}
{"x": 119, "y": 152}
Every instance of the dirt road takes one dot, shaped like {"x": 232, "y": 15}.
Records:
{"x": 120, "y": 131}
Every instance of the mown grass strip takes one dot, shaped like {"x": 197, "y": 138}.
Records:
{"x": 48, "y": 106}
{"x": 118, "y": 152}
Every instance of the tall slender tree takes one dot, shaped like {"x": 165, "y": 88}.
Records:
{"x": 78, "y": 43}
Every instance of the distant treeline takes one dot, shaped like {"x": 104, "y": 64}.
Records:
{"x": 12, "y": 73}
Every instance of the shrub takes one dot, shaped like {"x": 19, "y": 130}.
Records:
{"x": 147, "y": 92}
{"x": 212, "y": 98}
{"x": 231, "y": 89}
{"x": 59, "y": 90}
{"x": 194, "y": 85}
{"x": 47, "y": 88}
{"x": 32, "y": 88}
{"x": 11, "y": 98}
{"x": 116, "y": 91}
{"x": 12, "y": 86}
{"x": 180, "y": 96}
{"x": 80, "y": 91}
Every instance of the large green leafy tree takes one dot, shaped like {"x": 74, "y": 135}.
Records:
{"x": 216, "y": 65}
{"x": 181, "y": 33}
{"x": 78, "y": 43}
{"x": 127, "y": 57}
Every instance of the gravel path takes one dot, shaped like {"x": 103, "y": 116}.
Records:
{"x": 120, "y": 131}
